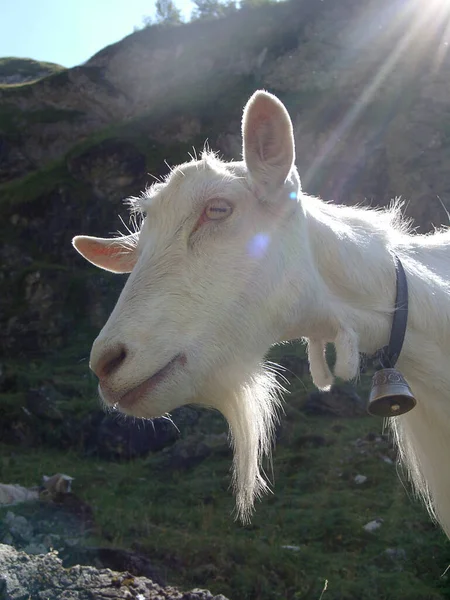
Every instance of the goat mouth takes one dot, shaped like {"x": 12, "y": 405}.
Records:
{"x": 135, "y": 394}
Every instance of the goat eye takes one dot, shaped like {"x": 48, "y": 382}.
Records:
{"x": 218, "y": 209}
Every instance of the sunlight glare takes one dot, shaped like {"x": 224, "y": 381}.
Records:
{"x": 421, "y": 29}
{"x": 258, "y": 245}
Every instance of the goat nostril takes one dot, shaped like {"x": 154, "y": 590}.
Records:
{"x": 110, "y": 362}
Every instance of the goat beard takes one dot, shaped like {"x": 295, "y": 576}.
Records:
{"x": 249, "y": 397}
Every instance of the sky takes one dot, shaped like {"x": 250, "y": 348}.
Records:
{"x": 68, "y": 32}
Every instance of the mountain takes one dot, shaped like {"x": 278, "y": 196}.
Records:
{"x": 366, "y": 83}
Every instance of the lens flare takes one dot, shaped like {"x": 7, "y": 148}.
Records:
{"x": 258, "y": 245}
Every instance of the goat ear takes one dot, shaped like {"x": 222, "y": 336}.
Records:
{"x": 268, "y": 141}
{"x": 117, "y": 255}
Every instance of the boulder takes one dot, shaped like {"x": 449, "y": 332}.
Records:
{"x": 112, "y": 438}
{"x": 42, "y": 402}
{"x": 194, "y": 449}
{"x": 340, "y": 401}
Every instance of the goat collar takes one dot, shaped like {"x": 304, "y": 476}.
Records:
{"x": 388, "y": 355}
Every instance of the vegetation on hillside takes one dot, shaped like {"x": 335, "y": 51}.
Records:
{"x": 26, "y": 68}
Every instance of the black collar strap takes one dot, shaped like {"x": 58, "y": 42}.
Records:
{"x": 388, "y": 355}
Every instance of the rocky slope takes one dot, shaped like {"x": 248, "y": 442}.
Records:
{"x": 24, "y": 576}
{"x": 367, "y": 84}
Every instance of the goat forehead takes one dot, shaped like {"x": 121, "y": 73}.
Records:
{"x": 191, "y": 184}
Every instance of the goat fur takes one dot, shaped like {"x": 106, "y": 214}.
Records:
{"x": 281, "y": 265}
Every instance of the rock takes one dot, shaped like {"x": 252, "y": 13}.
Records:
{"x": 34, "y": 548}
{"x": 395, "y": 553}
{"x": 42, "y": 402}
{"x": 116, "y": 559}
{"x": 111, "y": 167}
{"x": 185, "y": 416}
{"x": 294, "y": 366}
{"x": 14, "y": 494}
{"x": 112, "y": 438}
{"x": 43, "y": 576}
{"x": 373, "y": 525}
{"x": 60, "y": 521}
{"x": 192, "y": 450}
{"x": 359, "y": 479}
{"x": 340, "y": 401}
{"x": 52, "y": 486}
{"x": 392, "y": 559}
{"x": 374, "y": 445}
{"x": 188, "y": 453}
{"x": 19, "y": 527}
{"x": 292, "y": 548}
{"x": 13, "y": 159}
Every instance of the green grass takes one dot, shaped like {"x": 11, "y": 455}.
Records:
{"x": 13, "y": 120}
{"x": 67, "y": 370}
{"x": 183, "y": 520}
{"x": 35, "y": 184}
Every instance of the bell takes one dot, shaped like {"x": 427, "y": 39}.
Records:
{"x": 390, "y": 395}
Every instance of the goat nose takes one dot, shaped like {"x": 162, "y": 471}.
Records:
{"x": 109, "y": 361}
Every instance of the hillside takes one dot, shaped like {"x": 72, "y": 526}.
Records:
{"x": 367, "y": 83}
{"x": 15, "y": 71}
{"x": 372, "y": 106}
{"x": 370, "y": 115}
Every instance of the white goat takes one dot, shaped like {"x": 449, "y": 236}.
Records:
{"x": 232, "y": 258}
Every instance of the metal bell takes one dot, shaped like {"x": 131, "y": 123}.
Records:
{"x": 390, "y": 395}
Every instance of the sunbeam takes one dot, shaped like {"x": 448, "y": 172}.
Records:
{"x": 415, "y": 25}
